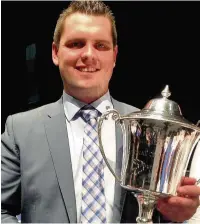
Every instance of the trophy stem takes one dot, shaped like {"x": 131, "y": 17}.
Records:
{"x": 147, "y": 203}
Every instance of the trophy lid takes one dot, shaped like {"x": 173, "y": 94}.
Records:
{"x": 162, "y": 108}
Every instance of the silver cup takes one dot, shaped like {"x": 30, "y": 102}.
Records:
{"x": 157, "y": 146}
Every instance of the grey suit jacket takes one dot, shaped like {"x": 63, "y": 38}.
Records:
{"x": 37, "y": 178}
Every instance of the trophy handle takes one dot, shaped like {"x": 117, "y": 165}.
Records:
{"x": 117, "y": 118}
{"x": 197, "y": 148}
{"x": 198, "y": 182}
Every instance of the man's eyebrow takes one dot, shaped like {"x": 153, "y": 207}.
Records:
{"x": 103, "y": 41}
{"x": 74, "y": 39}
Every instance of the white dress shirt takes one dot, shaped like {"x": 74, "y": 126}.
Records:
{"x": 75, "y": 128}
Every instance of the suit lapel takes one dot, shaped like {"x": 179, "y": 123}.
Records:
{"x": 57, "y": 136}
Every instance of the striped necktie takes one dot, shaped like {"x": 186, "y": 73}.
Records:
{"x": 93, "y": 208}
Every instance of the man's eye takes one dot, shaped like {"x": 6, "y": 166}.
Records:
{"x": 101, "y": 46}
{"x": 75, "y": 45}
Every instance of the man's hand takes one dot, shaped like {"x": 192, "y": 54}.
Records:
{"x": 182, "y": 207}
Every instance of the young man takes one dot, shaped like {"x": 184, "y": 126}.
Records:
{"x": 48, "y": 171}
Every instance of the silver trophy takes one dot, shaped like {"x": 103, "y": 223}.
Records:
{"x": 157, "y": 146}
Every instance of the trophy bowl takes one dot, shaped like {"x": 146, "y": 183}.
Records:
{"x": 157, "y": 146}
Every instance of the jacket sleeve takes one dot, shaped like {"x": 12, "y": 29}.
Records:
{"x": 10, "y": 175}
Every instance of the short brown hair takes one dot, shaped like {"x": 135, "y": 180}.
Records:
{"x": 95, "y": 8}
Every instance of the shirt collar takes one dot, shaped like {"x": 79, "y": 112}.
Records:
{"x": 72, "y": 105}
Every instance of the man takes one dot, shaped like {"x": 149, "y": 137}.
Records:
{"x": 45, "y": 152}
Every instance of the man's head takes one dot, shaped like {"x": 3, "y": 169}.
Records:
{"x": 85, "y": 49}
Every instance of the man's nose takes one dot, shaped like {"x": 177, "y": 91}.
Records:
{"x": 89, "y": 54}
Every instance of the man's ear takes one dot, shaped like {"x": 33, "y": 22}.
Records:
{"x": 115, "y": 55}
{"x": 55, "y": 54}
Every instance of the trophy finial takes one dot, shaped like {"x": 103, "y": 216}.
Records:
{"x": 166, "y": 93}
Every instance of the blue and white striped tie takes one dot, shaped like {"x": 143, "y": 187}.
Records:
{"x": 93, "y": 209}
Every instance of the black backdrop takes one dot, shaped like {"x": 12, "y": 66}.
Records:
{"x": 159, "y": 43}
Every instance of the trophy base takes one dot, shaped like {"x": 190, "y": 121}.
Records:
{"x": 147, "y": 201}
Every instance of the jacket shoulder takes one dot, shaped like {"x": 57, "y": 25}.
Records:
{"x": 124, "y": 108}
{"x": 33, "y": 113}
{"x": 25, "y": 121}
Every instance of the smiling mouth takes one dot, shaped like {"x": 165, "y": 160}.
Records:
{"x": 87, "y": 69}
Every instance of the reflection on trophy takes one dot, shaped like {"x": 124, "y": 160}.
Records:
{"x": 157, "y": 145}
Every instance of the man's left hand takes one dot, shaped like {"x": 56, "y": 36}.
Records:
{"x": 183, "y": 206}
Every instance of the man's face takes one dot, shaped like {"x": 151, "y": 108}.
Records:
{"x": 86, "y": 55}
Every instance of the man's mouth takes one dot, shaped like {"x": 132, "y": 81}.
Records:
{"x": 88, "y": 69}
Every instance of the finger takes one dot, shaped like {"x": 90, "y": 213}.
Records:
{"x": 188, "y": 181}
{"x": 175, "y": 213}
{"x": 166, "y": 211}
{"x": 191, "y": 202}
{"x": 189, "y": 190}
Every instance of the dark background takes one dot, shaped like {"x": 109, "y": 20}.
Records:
{"x": 159, "y": 44}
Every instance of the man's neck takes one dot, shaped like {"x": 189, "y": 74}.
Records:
{"x": 87, "y": 96}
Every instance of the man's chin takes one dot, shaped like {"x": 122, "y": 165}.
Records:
{"x": 86, "y": 90}
{"x": 85, "y": 86}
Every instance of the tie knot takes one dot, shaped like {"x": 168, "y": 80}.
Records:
{"x": 88, "y": 112}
